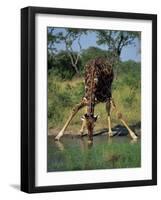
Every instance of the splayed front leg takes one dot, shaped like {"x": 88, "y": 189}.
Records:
{"x": 83, "y": 127}
{"x": 132, "y": 134}
{"x": 74, "y": 112}
{"x": 108, "y": 109}
{"x": 109, "y": 127}
{"x": 83, "y": 123}
{"x": 120, "y": 117}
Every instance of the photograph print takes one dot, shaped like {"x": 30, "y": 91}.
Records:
{"x": 94, "y": 99}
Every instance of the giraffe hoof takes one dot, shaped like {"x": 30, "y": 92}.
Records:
{"x": 81, "y": 133}
{"x": 133, "y": 141}
{"x": 56, "y": 138}
{"x": 133, "y": 136}
{"x": 110, "y": 134}
{"x": 60, "y": 134}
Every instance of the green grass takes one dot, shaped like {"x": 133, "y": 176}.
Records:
{"x": 100, "y": 156}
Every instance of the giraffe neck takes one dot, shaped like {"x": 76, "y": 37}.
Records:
{"x": 90, "y": 107}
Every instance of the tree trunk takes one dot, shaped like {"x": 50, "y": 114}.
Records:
{"x": 75, "y": 68}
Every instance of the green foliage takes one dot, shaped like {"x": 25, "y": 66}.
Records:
{"x": 116, "y": 40}
{"x": 68, "y": 37}
{"x": 52, "y": 39}
{"x": 129, "y": 76}
{"x": 60, "y": 65}
{"x": 66, "y": 63}
{"x": 91, "y": 53}
{"x": 62, "y": 96}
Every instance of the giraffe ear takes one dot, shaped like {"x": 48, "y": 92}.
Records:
{"x": 82, "y": 118}
{"x": 86, "y": 116}
{"x": 96, "y": 117}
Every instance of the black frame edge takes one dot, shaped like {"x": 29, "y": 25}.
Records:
{"x": 24, "y": 100}
{"x": 154, "y": 99}
{"x": 92, "y": 13}
{"x": 27, "y": 100}
{"x": 92, "y": 186}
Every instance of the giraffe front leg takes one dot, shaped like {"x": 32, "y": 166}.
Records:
{"x": 120, "y": 117}
{"x": 109, "y": 127}
{"x": 108, "y": 109}
{"x": 132, "y": 134}
{"x": 74, "y": 111}
{"x": 82, "y": 127}
{"x": 83, "y": 123}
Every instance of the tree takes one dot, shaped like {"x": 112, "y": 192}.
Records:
{"x": 91, "y": 53}
{"x": 52, "y": 39}
{"x": 116, "y": 41}
{"x": 61, "y": 65}
{"x": 70, "y": 36}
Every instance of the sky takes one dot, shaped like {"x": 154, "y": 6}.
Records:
{"x": 130, "y": 52}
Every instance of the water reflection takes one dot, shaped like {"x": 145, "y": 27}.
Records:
{"x": 59, "y": 145}
{"x": 83, "y": 144}
{"x": 74, "y": 153}
{"x": 134, "y": 141}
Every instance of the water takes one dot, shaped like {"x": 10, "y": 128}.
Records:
{"x": 72, "y": 142}
{"x": 73, "y": 153}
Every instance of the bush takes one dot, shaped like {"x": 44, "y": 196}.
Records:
{"x": 60, "y": 66}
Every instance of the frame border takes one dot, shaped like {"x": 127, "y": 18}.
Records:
{"x": 28, "y": 98}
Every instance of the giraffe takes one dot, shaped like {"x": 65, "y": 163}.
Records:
{"x": 99, "y": 76}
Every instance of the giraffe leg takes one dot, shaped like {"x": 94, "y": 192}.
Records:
{"x": 83, "y": 127}
{"x": 108, "y": 109}
{"x": 74, "y": 111}
{"x": 120, "y": 117}
{"x": 83, "y": 123}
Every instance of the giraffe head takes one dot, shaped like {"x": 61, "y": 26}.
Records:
{"x": 90, "y": 120}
